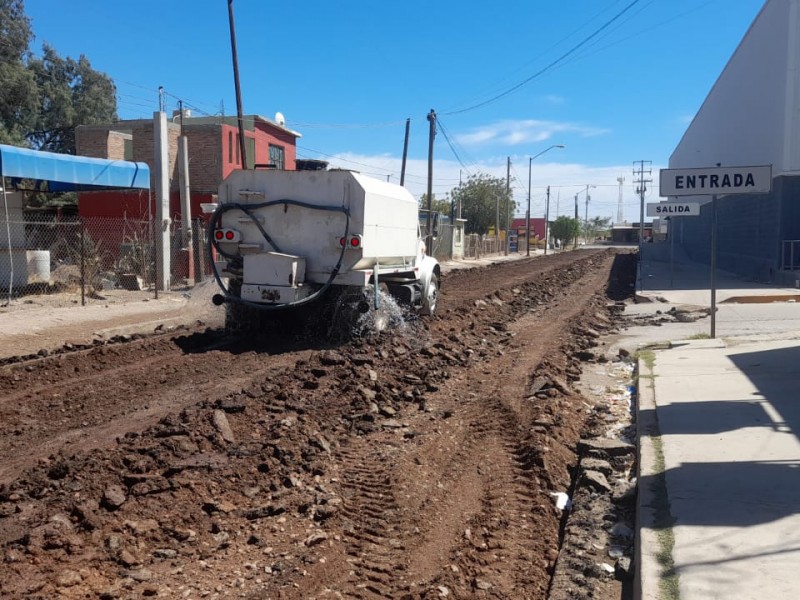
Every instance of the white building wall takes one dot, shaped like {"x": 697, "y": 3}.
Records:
{"x": 752, "y": 114}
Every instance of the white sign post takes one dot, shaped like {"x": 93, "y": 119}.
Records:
{"x": 667, "y": 210}
{"x": 715, "y": 181}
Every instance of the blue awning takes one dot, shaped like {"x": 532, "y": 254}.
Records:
{"x": 66, "y": 173}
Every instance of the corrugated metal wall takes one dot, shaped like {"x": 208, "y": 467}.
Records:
{"x": 750, "y": 230}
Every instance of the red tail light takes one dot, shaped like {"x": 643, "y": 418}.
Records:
{"x": 227, "y": 235}
{"x": 353, "y": 242}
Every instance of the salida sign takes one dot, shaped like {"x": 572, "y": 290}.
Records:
{"x": 674, "y": 209}
{"x": 716, "y": 180}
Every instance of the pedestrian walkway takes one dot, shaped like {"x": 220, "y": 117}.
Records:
{"x": 471, "y": 263}
{"x": 719, "y": 425}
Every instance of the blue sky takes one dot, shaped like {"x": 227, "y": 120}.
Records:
{"x": 615, "y": 81}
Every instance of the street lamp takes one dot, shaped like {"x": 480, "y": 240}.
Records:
{"x": 528, "y": 213}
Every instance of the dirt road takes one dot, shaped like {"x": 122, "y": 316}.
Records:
{"x": 419, "y": 463}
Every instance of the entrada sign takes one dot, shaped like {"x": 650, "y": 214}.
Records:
{"x": 674, "y": 209}
{"x": 716, "y": 180}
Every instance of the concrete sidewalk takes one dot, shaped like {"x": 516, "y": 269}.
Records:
{"x": 719, "y": 429}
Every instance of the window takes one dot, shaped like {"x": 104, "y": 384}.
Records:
{"x": 277, "y": 157}
{"x": 238, "y": 158}
{"x": 230, "y": 147}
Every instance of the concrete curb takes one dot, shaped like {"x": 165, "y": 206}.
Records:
{"x": 648, "y": 571}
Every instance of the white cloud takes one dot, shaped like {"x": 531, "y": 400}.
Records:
{"x": 514, "y": 133}
{"x": 565, "y": 181}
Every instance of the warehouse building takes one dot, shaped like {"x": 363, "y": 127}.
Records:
{"x": 751, "y": 116}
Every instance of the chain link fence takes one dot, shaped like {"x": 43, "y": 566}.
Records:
{"x": 46, "y": 253}
{"x": 476, "y": 245}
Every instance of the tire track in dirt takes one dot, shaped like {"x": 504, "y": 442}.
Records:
{"x": 370, "y": 525}
{"x": 502, "y": 551}
{"x": 306, "y": 441}
{"x": 466, "y": 499}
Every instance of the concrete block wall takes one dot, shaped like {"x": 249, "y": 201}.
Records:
{"x": 750, "y": 229}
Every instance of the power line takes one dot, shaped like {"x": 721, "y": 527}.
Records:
{"x": 500, "y": 84}
{"x": 543, "y": 70}
{"x": 452, "y": 146}
{"x": 641, "y": 32}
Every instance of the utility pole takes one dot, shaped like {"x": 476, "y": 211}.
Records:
{"x": 641, "y": 189}
{"x": 620, "y": 217}
{"x": 713, "y": 261}
{"x": 547, "y": 221}
{"x": 431, "y": 136}
{"x": 497, "y": 222}
{"x": 405, "y": 153}
{"x": 586, "y": 214}
{"x": 508, "y": 199}
{"x": 458, "y": 209}
{"x": 239, "y": 114}
{"x": 528, "y": 213}
{"x": 185, "y": 192}
{"x": 575, "y": 243}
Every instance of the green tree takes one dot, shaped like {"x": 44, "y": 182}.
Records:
{"x": 42, "y": 100}
{"x": 19, "y": 100}
{"x": 596, "y": 227}
{"x": 437, "y": 205}
{"x": 481, "y": 196}
{"x": 565, "y": 229}
{"x": 72, "y": 94}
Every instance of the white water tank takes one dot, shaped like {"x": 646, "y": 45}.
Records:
{"x": 38, "y": 266}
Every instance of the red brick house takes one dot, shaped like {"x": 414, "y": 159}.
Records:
{"x": 213, "y": 144}
{"x": 537, "y": 227}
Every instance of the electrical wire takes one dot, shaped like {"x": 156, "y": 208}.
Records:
{"x": 440, "y": 126}
{"x": 550, "y": 66}
{"x": 641, "y": 32}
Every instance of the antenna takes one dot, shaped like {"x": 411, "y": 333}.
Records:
{"x": 280, "y": 119}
